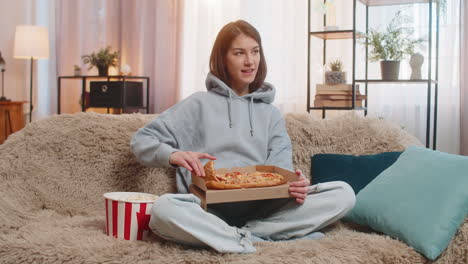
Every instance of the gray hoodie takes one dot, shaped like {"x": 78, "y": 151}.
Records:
{"x": 238, "y": 130}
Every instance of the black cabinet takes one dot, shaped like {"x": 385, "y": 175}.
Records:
{"x": 116, "y": 94}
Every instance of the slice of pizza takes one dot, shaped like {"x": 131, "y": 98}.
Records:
{"x": 210, "y": 173}
{"x": 267, "y": 178}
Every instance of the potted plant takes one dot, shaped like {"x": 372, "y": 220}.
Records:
{"x": 103, "y": 59}
{"x": 391, "y": 46}
{"x": 336, "y": 75}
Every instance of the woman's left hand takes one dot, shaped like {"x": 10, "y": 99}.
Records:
{"x": 299, "y": 188}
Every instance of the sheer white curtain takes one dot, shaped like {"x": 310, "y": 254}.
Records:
{"x": 17, "y": 81}
{"x": 145, "y": 31}
{"x": 82, "y": 27}
{"x": 464, "y": 78}
{"x": 283, "y": 28}
{"x": 46, "y": 69}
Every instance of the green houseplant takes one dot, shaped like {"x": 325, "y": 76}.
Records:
{"x": 392, "y": 45}
{"x": 102, "y": 60}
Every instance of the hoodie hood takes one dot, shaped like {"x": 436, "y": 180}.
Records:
{"x": 265, "y": 94}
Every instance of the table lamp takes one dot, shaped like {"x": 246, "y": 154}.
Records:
{"x": 2, "y": 69}
{"x": 31, "y": 42}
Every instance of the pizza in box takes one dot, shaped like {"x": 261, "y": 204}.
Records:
{"x": 239, "y": 180}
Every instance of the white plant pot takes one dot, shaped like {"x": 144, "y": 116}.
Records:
{"x": 77, "y": 72}
{"x": 335, "y": 77}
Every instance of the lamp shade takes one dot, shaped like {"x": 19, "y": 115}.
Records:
{"x": 31, "y": 42}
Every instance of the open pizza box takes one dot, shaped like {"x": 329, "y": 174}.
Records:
{"x": 212, "y": 196}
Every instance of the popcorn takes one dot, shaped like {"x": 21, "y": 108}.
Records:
{"x": 128, "y": 214}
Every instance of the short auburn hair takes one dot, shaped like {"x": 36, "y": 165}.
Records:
{"x": 221, "y": 47}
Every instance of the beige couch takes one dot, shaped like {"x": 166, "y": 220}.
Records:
{"x": 53, "y": 174}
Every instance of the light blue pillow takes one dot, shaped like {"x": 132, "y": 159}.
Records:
{"x": 422, "y": 199}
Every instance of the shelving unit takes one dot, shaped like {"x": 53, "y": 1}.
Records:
{"x": 109, "y": 80}
{"x": 336, "y": 34}
{"x": 354, "y": 34}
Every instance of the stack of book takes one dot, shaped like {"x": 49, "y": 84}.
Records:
{"x": 337, "y": 95}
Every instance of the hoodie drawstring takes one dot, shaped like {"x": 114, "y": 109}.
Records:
{"x": 251, "y": 116}
{"x": 250, "y": 113}
{"x": 229, "y": 110}
{"x": 264, "y": 94}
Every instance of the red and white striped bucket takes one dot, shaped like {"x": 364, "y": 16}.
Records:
{"x": 128, "y": 214}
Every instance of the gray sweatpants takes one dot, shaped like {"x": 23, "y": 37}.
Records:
{"x": 179, "y": 218}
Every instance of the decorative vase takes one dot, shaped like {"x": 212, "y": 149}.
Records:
{"x": 125, "y": 69}
{"x": 416, "y": 62}
{"x": 103, "y": 70}
{"x": 77, "y": 72}
{"x": 390, "y": 70}
{"x": 335, "y": 77}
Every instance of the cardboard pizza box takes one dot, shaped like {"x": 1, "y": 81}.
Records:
{"x": 212, "y": 196}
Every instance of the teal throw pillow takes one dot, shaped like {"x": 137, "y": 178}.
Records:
{"x": 422, "y": 199}
{"x": 357, "y": 171}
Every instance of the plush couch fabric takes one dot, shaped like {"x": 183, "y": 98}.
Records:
{"x": 53, "y": 174}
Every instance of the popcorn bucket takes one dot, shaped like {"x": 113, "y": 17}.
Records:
{"x": 128, "y": 214}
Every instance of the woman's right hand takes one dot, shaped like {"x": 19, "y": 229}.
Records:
{"x": 190, "y": 160}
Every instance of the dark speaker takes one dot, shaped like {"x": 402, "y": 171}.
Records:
{"x": 111, "y": 94}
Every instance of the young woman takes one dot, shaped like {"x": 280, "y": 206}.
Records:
{"x": 235, "y": 124}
